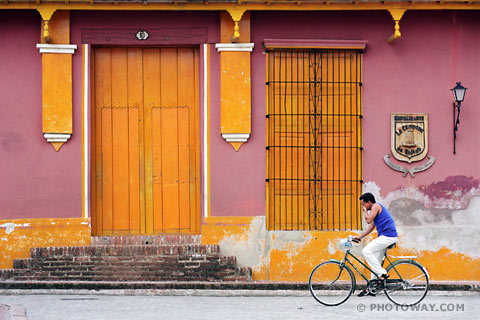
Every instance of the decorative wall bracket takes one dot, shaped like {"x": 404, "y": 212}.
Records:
{"x": 397, "y": 15}
{"x": 236, "y": 139}
{"x": 56, "y": 139}
{"x": 404, "y": 170}
{"x": 236, "y": 15}
{"x": 46, "y": 13}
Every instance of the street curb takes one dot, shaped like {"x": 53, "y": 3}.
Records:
{"x": 473, "y": 287}
{"x": 195, "y": 293}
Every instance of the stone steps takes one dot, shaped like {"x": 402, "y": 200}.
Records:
{"x": 146, "y": 240}
{"x": 137, "y": 258}
{"x": 125, "y": 250}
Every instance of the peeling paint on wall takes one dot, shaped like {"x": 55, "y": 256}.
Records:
{"x": 273, "y": 255}
{"x": 23, "y": 234}
{"x": 257, "y": 242}
{"x": 440, "y": 226}
{"x": 453, "y": 193}
{"x": 10, "y": 226}
{"x": 442, "y": 215}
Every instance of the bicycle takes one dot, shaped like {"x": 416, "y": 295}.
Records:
{"x": 333, "y": 282}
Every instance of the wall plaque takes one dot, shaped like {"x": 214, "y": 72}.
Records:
{"x": 409, "y": 136}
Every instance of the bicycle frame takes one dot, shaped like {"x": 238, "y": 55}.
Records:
{"x": 345, "y": 260}
{"x": 397, "y": 286}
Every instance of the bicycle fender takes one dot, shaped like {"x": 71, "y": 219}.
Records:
{"x": 409, "y": 260}
{"x": 335, "y": 260}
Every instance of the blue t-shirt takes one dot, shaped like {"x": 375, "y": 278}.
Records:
{"x": 385, "y": 224}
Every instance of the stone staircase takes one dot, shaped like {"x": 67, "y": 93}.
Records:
{"x": 129, "y": 258}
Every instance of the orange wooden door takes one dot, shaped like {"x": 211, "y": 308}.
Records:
{"x": 145, "y": 141}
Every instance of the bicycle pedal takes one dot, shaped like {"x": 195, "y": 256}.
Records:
{"x": 375, "y": 285}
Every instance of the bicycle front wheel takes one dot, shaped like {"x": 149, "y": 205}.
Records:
{"x": 407, "y": 284}
{"x": 331, "y": 283}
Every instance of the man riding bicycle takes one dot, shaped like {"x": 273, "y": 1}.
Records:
{"x": 377, "y": 216}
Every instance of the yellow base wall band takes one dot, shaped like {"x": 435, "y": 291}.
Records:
{"x": 18, "y": 236}
{"x": 292, "y": 255}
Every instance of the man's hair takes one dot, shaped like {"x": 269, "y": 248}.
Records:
{"x": 367, "y": 197}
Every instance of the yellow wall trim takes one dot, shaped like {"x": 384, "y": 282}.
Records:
{"x": 256, "y": 5}
{"x": 291, "y": 255}
{"x": 18, "y": 236}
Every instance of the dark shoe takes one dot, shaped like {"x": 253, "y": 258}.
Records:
{"x": 365, "y": 293}
{"x": 377, "y": 284}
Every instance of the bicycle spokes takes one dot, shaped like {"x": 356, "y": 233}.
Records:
{"x": 331, "y": 283}
{"x": 408, "y": 283}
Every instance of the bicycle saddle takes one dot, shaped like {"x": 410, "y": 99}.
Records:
{"x": 392, "y": 246}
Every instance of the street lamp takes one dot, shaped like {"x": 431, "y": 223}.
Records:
{"x": 458, "y": 93}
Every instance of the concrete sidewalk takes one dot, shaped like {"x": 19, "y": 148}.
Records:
{"x": 12, "y": 312}
{"x": 467, "y": 286}
{"x": 128, "y": 307}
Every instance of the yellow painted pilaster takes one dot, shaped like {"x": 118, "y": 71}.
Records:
{"x": 235, "y": 92}
{"x": 56, "y": 76}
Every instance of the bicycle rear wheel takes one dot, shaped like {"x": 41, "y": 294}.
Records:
{"x": 331, "y": 283}
{"x": 407, "y": 284}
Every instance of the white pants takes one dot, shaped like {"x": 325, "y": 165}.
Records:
{"x": 374, "y": 251}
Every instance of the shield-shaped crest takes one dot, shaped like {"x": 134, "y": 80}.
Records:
{"x": 409, "y": 136}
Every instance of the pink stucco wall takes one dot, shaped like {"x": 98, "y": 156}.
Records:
{"x": 35, "y": 181}
{"x": 412, "y": 75}
{"x": 237, "y": 178}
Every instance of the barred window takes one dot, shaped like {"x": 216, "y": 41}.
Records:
{"x": 314, "y": 139}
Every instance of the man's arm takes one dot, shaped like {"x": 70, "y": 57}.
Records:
{"x": 366, "y": 232}
{"x": 370, "y": 216}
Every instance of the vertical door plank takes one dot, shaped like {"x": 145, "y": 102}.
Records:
{"x": 96, "y": 230}
{"x": 170, "y": 168}
{"x": 99, "y": 66}
{"x": 184, "y": 167}
{"x": 170, "y": 165}
{"x": 119, "y": 77}
{"x": 120, "y": 140}
{"x": 107, "y": 174}
{"x": 195, "y": 149}
{"x": 103, "y": 77}
{"x": 135, "y": 127}
{"x": 169, "y": 76}
{"x": 157, "y": 169}
{"x": 186, "y": 101}
{"x": 120, "y": 169}
{"x": 134, "y": 171}
{"x": 103, "y": 95}
{"x": 151, "y": 92}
